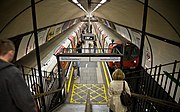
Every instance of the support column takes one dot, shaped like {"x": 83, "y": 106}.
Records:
{"x": 122, "y": 58}
{"x": 37, "y": 51}
{"x": 60, "y": 76}
{"x": 89, "y": 13}
{"x": 143, "y": 31}
{"x": 59, "y": 71}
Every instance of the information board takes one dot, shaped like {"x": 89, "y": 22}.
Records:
{"x": 88, "y": 37}
{"x": 97, "y": 59}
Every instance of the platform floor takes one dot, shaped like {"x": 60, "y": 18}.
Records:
{"x": 97, "y": 93}
{"x": 90, "y": 82}
{"x": 90, "y": 73}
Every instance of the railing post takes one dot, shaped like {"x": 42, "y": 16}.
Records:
{"x": 122, "y": 57}
{"x": 37, "y": 51}
{"x": 59, "y": 75}
{"x": 153, "y": 81}
{"x": 173, "y": 72}
{"x": 157, "y": 90}
{"x": 175, "y": 90}
{"x": 143, "y": 31}
{"x": 59, "y": 70}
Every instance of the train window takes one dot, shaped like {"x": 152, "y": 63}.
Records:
{"x": 135, "y": 52}
{"x": 130, "y": 52}
{"x": 127, "y": 52}
{"x": 119, "y": 48}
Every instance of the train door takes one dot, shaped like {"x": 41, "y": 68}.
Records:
{"x": 131, "y": 56}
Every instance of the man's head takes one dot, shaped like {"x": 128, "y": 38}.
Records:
{"x": 7, "y": 50}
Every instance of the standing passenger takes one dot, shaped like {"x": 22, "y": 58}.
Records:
{"x": 115, "y": 90}
{"x": 90, "y": 47}
{"x": 76, "y": 66}
{"x": 95, "y": 46}
{"x": 15, "y": 96}
{"x": 79, "y": 47}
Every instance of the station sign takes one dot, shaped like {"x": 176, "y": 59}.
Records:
{"x": 88, "y": 37}
{"x": 105, "y": 59}
{"x": 96, "y": 59}
{"x": 74, "y": 58}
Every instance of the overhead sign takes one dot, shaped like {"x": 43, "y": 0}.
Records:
{"x": 105, "y": 58}
{"x": 97, "y": 59}
{"x": 88, "y": 37}
{"x": 74, "y": 58}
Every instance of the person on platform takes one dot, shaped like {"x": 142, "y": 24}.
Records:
{"x": 15, "y": 96}
{"x": 79, "y": 47}
{"x": 76, "y": 65}
{"x": 95, "y": 46}
{"x": 115, "y": 90}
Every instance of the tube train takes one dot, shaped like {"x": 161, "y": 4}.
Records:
{"x": 131, "y": 51}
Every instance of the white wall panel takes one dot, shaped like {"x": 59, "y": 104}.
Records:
{"x": 123, "y": 31}
{"x": 22, "y": 47}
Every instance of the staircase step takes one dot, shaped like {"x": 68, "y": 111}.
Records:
{"x": 81, "y": 108}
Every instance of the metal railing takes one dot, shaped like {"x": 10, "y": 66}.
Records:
{"x": 32, "y": 80}
{"x": 156, "y": 83}
{"x": 148, "y": 91}
{"x": 54, "y": 93}
{"x": 88, "y": 106}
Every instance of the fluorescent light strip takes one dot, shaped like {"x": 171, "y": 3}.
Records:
{"x": 75, "y": 1}
{"x": 78, "y": 4}
{"x": 102, "y": 2}
{"x": 82, "y": 7}
{"x": 99, "y": 5}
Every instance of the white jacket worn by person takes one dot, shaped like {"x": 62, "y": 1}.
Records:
{"x": 114, "y": 92}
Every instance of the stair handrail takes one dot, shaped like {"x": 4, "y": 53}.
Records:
{"x": 156, "y": 100}
{"x": 88, "y": 107}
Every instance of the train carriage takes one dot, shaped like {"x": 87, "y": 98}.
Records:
{"x": 131, "y": 51}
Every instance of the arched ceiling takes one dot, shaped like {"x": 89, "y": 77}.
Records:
{"x": 125, "y": 12}
{"x": 47, "y": 11}
{"x": 130, "y": 13}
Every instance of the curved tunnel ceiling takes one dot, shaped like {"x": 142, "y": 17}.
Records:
{"x": 47, "y": 12}
{"x": 125, "y": 12}
{"x": 130, "y": 13}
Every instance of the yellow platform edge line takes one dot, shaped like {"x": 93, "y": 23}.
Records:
{"x": 105, "y": 93}
{"x": 70, "y": 79}
{"x": 72, "y": 95}
{"x": 105, "y": 73}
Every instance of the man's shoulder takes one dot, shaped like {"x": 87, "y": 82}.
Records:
{"x": 11, "y": 69}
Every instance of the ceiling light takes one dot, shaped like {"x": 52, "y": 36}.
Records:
{"x": 98, "y": 5}
{"x": 94, "y": 9}
{"x": 79, "y": 5}
{"x": 75, "y": 1}
{"x": 103, "y": 1}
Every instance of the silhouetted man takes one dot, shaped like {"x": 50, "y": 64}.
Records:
{"x": 15, "y": 96}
